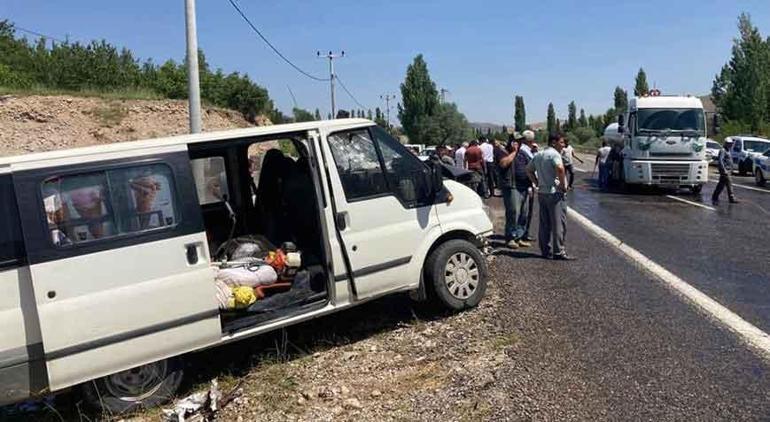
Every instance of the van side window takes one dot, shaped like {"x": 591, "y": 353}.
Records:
{"x": 210, "y": 179}
{"x": 358, "y": 164}
{"x": 11, "y": 241}
{"x": 407, "y": 176}
{"x": 99, "y": 205}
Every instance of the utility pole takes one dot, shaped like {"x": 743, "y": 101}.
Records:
{"x": 331, "y": 56}
{"x": 193, "y": 79}
{"x": 387, "y": 98}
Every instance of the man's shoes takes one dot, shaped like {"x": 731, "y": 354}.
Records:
{"x": 563, "y": 257}
{"x": 734, "y": 201}
{"x": 524, "y": 244}
{"x": 513, "y": 244}
{"x": 715, "y": 202}
{"x": 528, "y": 239}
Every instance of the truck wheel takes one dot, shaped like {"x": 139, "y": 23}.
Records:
{"x": 696, "y": 189}
{"x": 759, "y": 178}
{"x": 141, "y": 387}
{"x": 457, "y": 273}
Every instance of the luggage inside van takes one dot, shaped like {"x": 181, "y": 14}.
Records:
{"x": 262, "y": 219}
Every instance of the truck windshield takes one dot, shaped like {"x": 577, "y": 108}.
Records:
{"x": 670, "y": 119}
{"x": 756, "y": 146}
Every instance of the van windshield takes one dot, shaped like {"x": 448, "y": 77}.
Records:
{"x": 658, "y": 120}
{"x": 756, "y": 146}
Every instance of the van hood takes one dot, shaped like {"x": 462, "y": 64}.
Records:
{"x": 672, "y": 145}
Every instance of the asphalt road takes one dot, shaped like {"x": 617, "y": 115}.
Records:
{"x": 602, "y": 339}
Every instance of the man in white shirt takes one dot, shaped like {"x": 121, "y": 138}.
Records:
{"x": 460, "y": 155}
{"x": 601, "y": 160}
{"x": 487, "y": 151}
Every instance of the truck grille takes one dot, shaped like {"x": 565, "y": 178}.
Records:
{"x": 670, "y": 173}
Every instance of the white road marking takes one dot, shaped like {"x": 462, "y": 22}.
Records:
{"x": 747, "y": 332}
{"x": 691, "y": 202}
{"x": 744, "y": 186}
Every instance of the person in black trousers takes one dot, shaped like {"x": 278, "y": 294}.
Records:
{"x": 725, "y": 165}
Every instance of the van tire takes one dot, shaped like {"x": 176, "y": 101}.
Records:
{"x": 110, "y": 394}
{"x": 473, "y": 270}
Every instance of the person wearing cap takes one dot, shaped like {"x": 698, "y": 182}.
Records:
{"x": 546, "y": 171}
{"x": 523, "y": 192}
{"x": 725, "y": 165}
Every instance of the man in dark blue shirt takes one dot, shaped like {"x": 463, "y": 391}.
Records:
{"x": 725, "y": 165}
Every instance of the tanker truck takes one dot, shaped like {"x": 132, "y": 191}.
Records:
{"x": 659, "y": 141}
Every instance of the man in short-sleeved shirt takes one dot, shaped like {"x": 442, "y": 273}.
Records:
{"x": 546, "y": 170}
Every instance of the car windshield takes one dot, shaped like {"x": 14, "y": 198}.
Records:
{"x": 756, "y": 146}
{"x": 713, "y": 145}
{"x": 668, "y": 119}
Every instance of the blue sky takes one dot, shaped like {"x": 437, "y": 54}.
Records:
{"x": 483, "y": 52}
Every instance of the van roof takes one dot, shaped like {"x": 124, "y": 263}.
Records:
{"x": 179, "y": 140}
{"x": 748, "y": 138}
{"x": 665, "y": 102}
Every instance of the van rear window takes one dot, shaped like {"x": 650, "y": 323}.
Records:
{"x": 99, "y": 205}
{"x": 11, "y": 241}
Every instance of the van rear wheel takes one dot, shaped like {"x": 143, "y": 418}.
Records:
{"x": 457, "y": 273}
{"x": 141, "y": 387}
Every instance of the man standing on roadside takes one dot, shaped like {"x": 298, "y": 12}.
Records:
{"x": 568, "y": 157}
{"x": 474, "y": 161}
{"x": 522, "y": 193}
{"x": 460, "y": 155}
{"x": 546, "y": 171}
{"x": 505, "y": 161}
{"x": 487, "y": 150}
{"x": 601, "y": 161}
{"x": 725, "y": 165}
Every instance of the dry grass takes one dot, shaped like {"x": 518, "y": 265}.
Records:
{"x": 109, "y": 115}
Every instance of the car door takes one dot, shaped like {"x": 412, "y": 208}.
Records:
{"x": 119, "y": 263}
{"x": 735, "y": 152}
{"x": 383, "y": 211}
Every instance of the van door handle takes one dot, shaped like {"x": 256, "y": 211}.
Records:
{"x": 341, "y": 220}
{"x": 191, "y": 252}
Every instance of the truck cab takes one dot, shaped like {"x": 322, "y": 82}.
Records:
{"x": 662, "y": 142}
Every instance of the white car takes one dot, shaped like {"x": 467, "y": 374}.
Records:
{"x": 762, "y": 168}
{"x": 712, "y": 150}
{"x": 745, "y": 149}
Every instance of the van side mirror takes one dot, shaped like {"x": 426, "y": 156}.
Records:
{"x": 435, "y": 177}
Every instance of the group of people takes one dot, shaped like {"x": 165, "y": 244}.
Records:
{"x": 518, "y": 170}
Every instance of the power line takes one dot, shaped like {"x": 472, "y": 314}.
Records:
{"x": 37, "y": 34}
{"x": 344, "y": 88}
{"x": 272, "y": 47}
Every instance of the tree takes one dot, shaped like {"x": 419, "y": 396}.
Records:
{"x": 369, "y": 114}
{"x": 419, "y": 100}
{"x": 641, "y": 87}
{"x": 621, "y": 99}
{"x": 448, "y": 126}
{"x": 742, "y": 88}
{"x": 558, "y": 126}
{"x": 582, "y": 121}
{"x": 301, "y": 115}
{"x": 551, "y": 119}
{"x": 317, "y": 114}
{"x": 379, "y": 118}
{"x": 572, "y": 116}
{"x": 520, "y": 114}
{"x": 342, "y": 114}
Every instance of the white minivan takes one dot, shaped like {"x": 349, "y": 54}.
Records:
{"x": 110, "y": 256}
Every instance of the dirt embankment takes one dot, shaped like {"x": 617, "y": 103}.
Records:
{"x": 43, "y": 123}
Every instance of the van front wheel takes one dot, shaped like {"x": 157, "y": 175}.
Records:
{"x": 457, "y": 273}
{"x": 141, "y": 387}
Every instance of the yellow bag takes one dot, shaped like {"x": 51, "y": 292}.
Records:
{"x": 243, "y": 296}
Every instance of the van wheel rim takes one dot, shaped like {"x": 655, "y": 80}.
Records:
{"x": 139, "y": 383}
{"x": 461, "y": 275}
